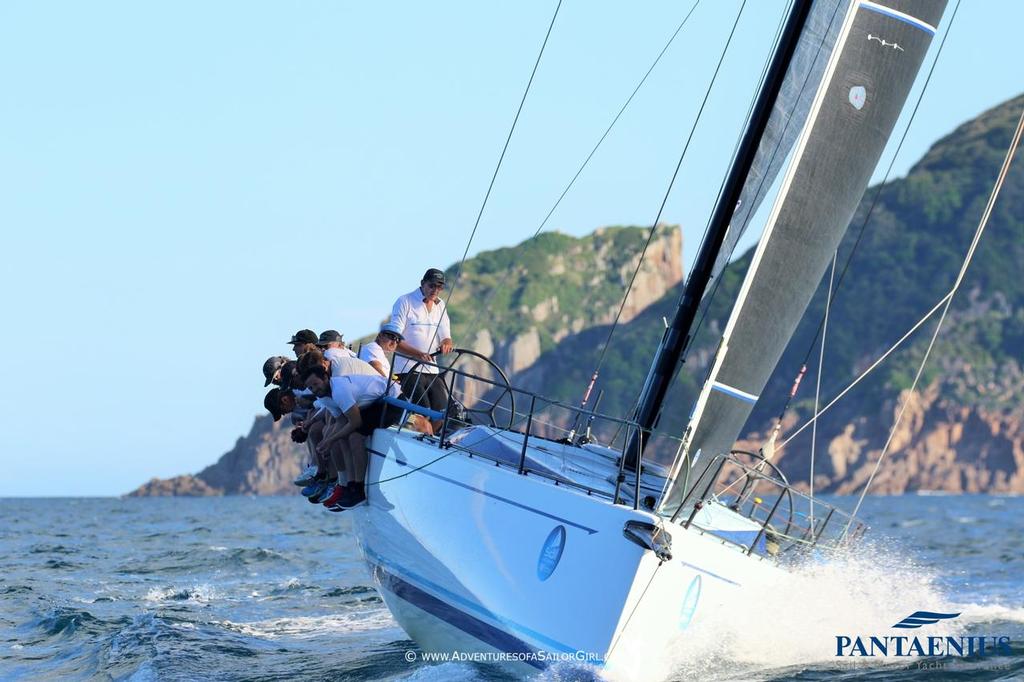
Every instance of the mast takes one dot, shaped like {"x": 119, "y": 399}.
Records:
{"x": 673, "y": 344}
{"x": 870, "y": 73}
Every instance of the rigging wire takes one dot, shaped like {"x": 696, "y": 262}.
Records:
{"x": 817, "y": 387}
{"x": 982, "y": 224}
{"x": 874, "y": 365}
{"x": 871, "y": 209}
{"x": 721, "y": 188}
{"x": 490, "y": 295}
{"x": 778, "y": 145}
{"x": 668, "y": 192}
{"x": 494, "y": 177}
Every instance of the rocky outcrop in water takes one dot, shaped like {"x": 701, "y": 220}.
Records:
{"x": 265, "y": 462}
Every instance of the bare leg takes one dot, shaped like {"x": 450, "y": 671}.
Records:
{"x": 347, "y": 456}
{"x": 338, "y": 459}
{"x": 357, "y": 446}
{"x": 421, "y": 424}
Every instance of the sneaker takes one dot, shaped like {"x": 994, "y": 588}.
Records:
{"x": 307, "y": 476}
{"x": 355, "y": 494}
{"x": 328, "y": 488}
{"x": 336, "y": 508}
{"x": 334, "y": 495}
{"x": 318, "y": 492}
{"x": 310, "y": 489}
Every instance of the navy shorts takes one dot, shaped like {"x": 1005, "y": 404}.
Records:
{"x": 427, "y": 390}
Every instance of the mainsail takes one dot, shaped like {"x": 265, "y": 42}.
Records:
{"x": 878, "y": 52}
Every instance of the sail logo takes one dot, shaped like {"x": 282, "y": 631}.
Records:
{"x": 931, "y": 646}
{"x": 551, "y": 553}
{"x": 858, "y": 95}
{"x": 886, "y": 43}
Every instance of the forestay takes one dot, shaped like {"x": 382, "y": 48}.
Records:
{"x": 878, "y": 51}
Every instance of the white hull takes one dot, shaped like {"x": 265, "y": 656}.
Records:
{"x": 472, "y": 556}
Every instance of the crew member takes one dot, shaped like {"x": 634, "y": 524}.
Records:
{"x": 422, "y": 319}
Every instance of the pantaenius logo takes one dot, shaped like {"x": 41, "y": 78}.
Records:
{"x": 869, "y": 646}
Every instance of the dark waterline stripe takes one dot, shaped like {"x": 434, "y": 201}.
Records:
{"x": 375, "y": 558}
{"x": 486, "y": 633}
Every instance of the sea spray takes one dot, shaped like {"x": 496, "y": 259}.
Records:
{"x": 795, "y": 620}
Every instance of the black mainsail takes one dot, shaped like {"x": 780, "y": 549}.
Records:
{"x": 878, "y": 52}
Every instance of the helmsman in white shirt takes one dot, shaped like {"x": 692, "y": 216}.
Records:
{"x": 422, "y": 319}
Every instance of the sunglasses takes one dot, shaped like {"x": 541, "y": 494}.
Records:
{"x": 389, "y": 336}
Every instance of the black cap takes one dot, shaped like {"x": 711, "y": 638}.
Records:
{"x": 304, "y": 336}
{"x": 329, "y": 336}
{"x": 271, "y": 366}
{"x": 434, "y": 276}
{"x": 272, "y": 402}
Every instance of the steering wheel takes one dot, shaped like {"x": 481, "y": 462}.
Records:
{"x": 480, "y": 389}
{"x": 749, "y": 485}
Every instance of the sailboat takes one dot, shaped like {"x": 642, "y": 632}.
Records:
{"x": 499, "y": 537}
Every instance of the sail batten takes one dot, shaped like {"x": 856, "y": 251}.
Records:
{"x": 877, "y": 54}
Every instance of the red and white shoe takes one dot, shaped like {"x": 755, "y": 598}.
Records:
{"x": 334, "y": 495}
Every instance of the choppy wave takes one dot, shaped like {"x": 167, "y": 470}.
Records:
{"x": 196, "y": 593}
{"x": 990, "y": 613}
{"x": 67, "y": 621}
{"x": 314, "y": 626}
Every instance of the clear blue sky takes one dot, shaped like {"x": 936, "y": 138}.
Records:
{"x": 183, "y": 185}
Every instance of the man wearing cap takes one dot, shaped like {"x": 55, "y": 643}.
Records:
{"x": 279, "y": 402}
{"x": 332, "y": 344}
{"x": 303, "y": 340}
{"x": 422, "y": 319}
{"x": 272, "y": 369}
{"x": 376, "y": 352}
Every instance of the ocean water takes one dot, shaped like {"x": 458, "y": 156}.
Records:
{"x": 273, "y": 588}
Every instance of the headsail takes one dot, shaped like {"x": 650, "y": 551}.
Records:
{"x": 877, "y": 55}
{"x": 817, "y": 40}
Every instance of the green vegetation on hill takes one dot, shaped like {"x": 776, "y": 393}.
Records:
{"x": 908, "y": 258}
{"x": 552, "y": 283}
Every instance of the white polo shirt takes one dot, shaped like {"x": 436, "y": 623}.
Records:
{"x": 331, "y": 353}
{"x": 344, "y": 361}
{"x": 362, "y": 390}
{"x": 372, "y": 351}
{"x": 423, "y": 329}
{"x": 329, "y": 405}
